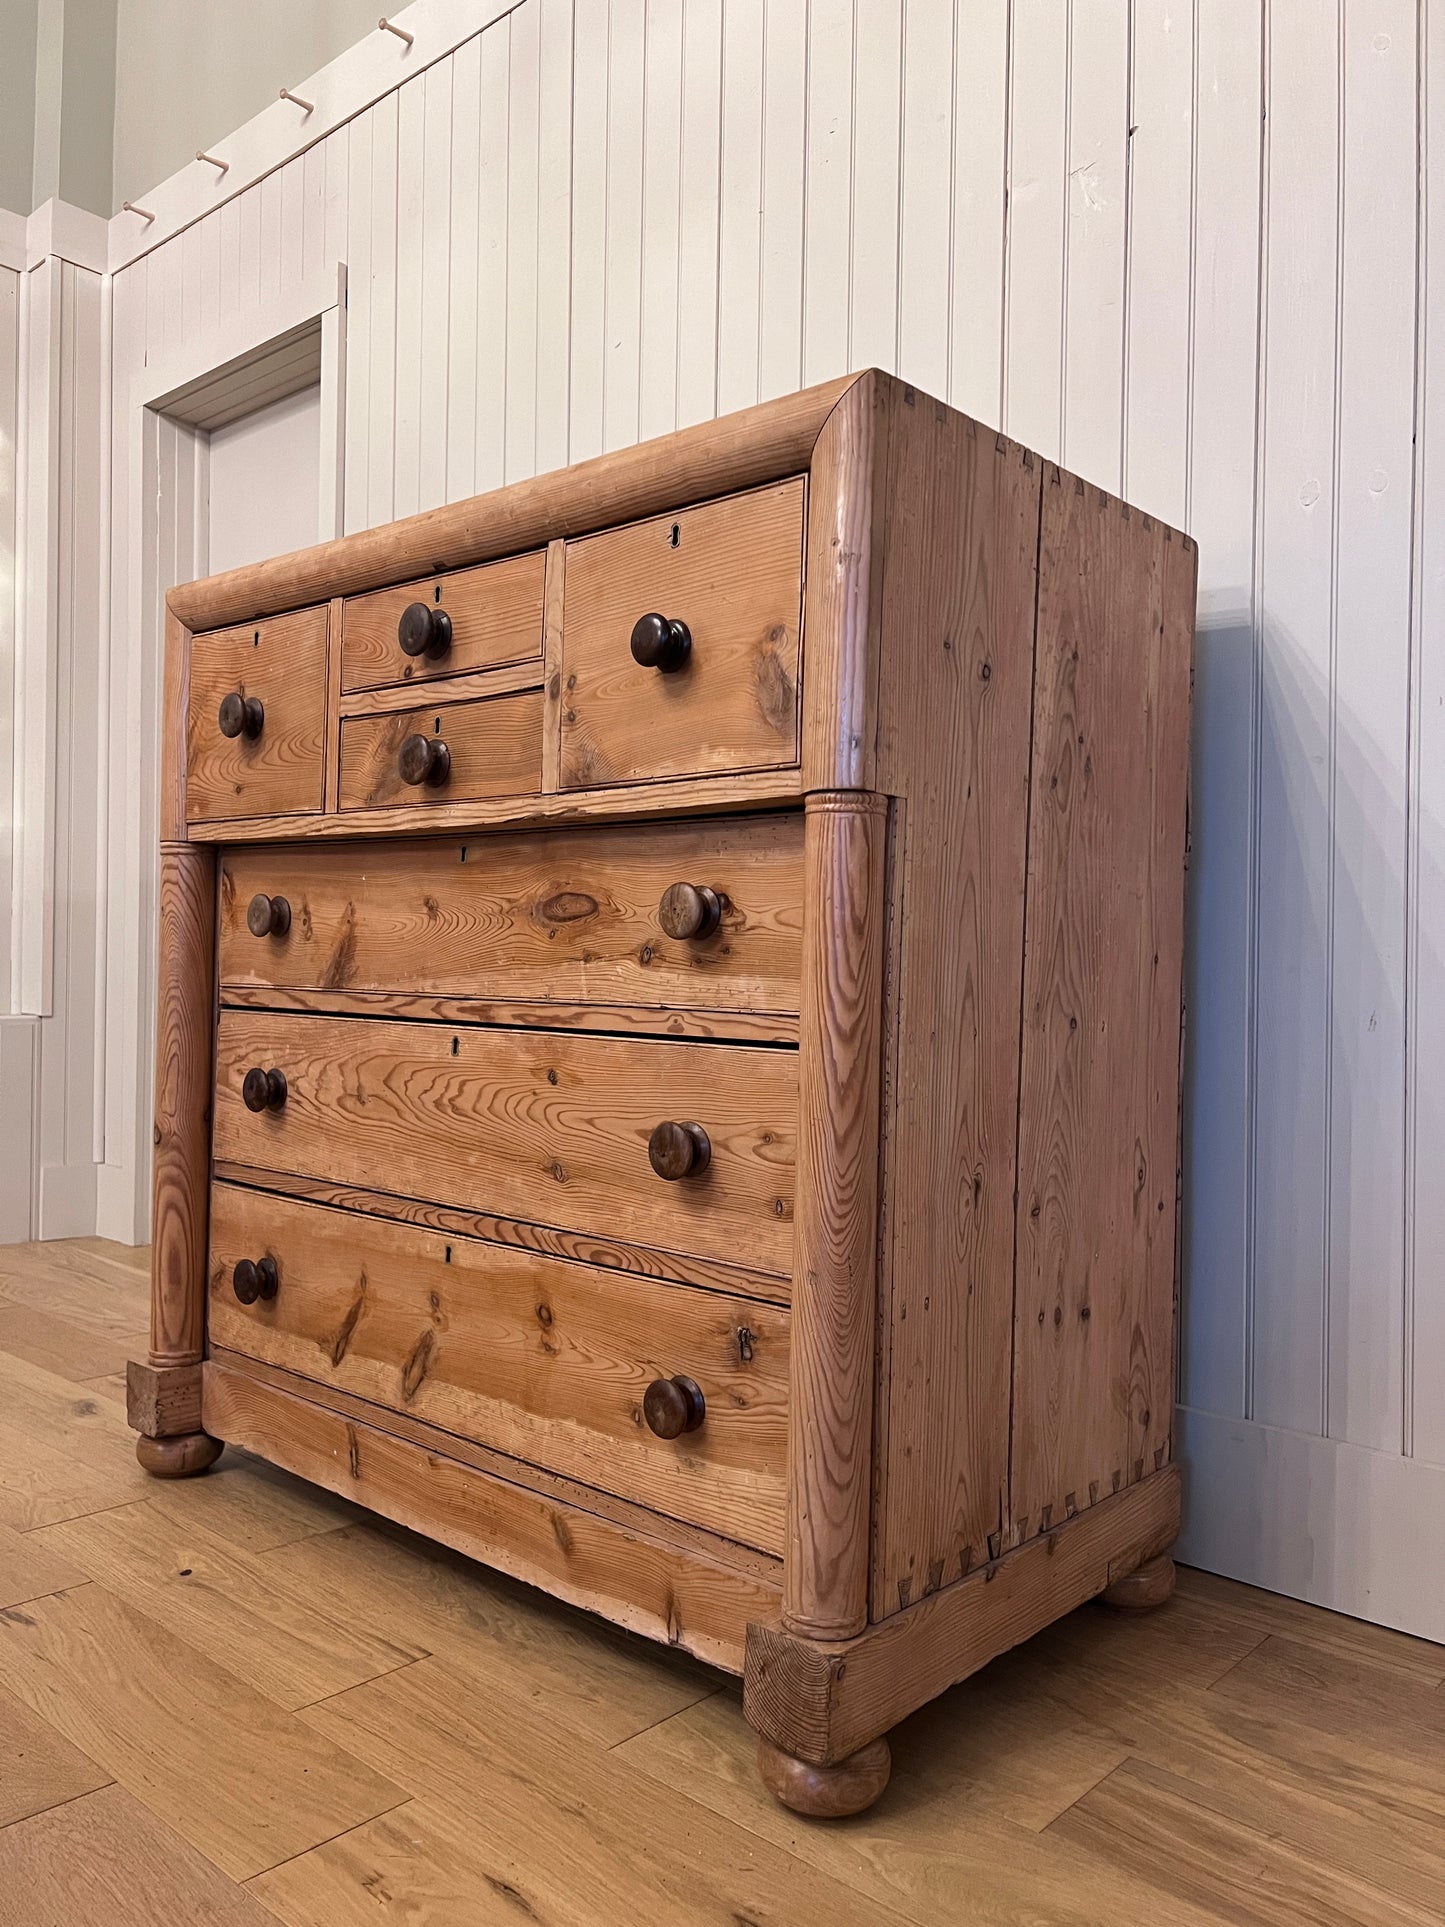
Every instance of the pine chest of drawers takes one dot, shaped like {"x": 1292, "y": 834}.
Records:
{"x": 668, "y": 1045}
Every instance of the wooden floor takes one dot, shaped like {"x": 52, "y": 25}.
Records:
{"x": 234, "y": 1699}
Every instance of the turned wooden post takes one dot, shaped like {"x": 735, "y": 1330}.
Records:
{"x": 164, "y": 1395}
{"x": 830, "y": 1424}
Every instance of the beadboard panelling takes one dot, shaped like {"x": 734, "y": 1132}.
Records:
{"x": 590, "y": 224}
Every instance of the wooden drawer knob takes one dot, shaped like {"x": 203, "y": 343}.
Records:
{"x": 263, "y": 1090}
{"x": 679, "y": 1151}
{"x": 424, "y": 631}
{"x": 658, "y": 642}
{"x": 424, "y": 759}
{"x": 241, "y": 715}
{"x": 689, "y": 910}
{"x": 268, "y": 916}
{"x": 673, "y": 1406}
{"x": 252, "y": 1280}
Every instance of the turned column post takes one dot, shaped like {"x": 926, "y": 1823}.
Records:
{"x": 164, "y": 1395}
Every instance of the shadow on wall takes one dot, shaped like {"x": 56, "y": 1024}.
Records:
{"x": 1297, "y": 952}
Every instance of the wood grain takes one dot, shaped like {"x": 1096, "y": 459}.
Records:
{"x": 835, "y": 1285}
{"x": 495, "y": 745}
{"x": 28, "y": 1570}
{"x": 653, "y": 1587}
{"x": 38, "y": 1769}
{"x": 554, "y": 599}
{"x": 548, "y": 1126}
{"x": 163, "y": 1400}
{"x": 823, "y": 1700}
{"x": 564, "y": 917}
{"x": 694, "y": 464}
{"x": 732, "y": 571}
{"x": 686, "y": 1267}
{"x": 181, "y": 1161}
{"x": 175, "y": 707}
{"x": 283, "y": 662}
{"x": 496, "y": 617}
{"x": 103, "y": 1857}
{"x": 957, "y": 616}
{"x": 544, "y": 1360}
{"x": 1099, "y": 1077}
{"x": 244, "y": 1781}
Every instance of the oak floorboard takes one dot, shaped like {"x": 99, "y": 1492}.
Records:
{"x": 1149, "y": 1820}
{"x": 287, "y": 1640}
{"x": 59, "y": 1345}
{"x": 104, "y": 1858}
{"x": 40, "y": 1484}
{"x": 572, "y": 1834}
{"x": 254, "y": 1505}
{"x": 1271, "y": 1612}
{"x": 244, "y": 1781}
{"x": 29, "y": 1570}
{"x": 39, "y": 1767}
{"x": 593, "y": 1678}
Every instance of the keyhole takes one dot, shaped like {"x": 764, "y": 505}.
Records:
{"x": 437, "y": 593}
{"x": 676, "y": 535}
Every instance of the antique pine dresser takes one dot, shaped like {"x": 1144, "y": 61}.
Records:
{"x": 668, "y": 1045}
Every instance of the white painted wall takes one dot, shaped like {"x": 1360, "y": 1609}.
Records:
{"x": 1178, "y": 244}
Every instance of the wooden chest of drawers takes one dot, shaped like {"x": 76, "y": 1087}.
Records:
{"x": 668, "y": 1045}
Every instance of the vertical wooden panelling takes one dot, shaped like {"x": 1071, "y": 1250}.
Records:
{"x": 490, "y": 435}
{"x": 589, "y": 228}
{"x": 411, "y": 116}
{"x": 1223, "y": 348}
{"x": 436, "y": 252}
{"x": 523, "y": 137}
{"x": 661, "y": 230}
{"x": 359, "y": 299}
{"x": 925, "y": 195}
{"x": 828, "y": 176}
{"x": 380, "y": 381}
{"x": 1370, "y": 677}
{"x": 9, "y": 425}
{"x": 1297, "y": 614}
{"x": 1093, "y": 376}
{"x": 697, "y": 268}
{"x": 1037, "y": 264}
{"x": 784, "y": 113}
{"x": 877, "y": 145}
{"x": 740, "y": 211}
{"x": 622, "y": 268}
{"x": 554, "y": 231}
{"x": 979, "y": 186}
{"x": 461, "y": 345}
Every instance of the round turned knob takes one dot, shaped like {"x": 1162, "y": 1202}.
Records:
{"x": 268, "y": 916}
{"x": 263, "y": 1090}
{"x": 679, "y": 1151}
{"x": 241, "y": 715}
{"x": 660, "y": 643}
{"x": 673, "y": 1406}
{"x": 424, "y": 759}
{"x": 689, "y": 910}
{"x": 424, "y": 630}
{"x": 252, "y": 1280}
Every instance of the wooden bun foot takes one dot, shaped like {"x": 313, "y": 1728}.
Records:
{"x": 1149, "y": 1586}
{"x": 825, "y": 1792}
{"x": 180, "y": 1457}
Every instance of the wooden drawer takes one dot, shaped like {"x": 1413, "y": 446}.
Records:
{"x": 732, "y": 572}
{"x": 274, "y": 766}
{"x": 492, "y": 748}
{"x": 562, "y": 919}
{"x": 545, "y": 1126}
{"x": 544, "y": 1360}
{"x": 494, "y": 613}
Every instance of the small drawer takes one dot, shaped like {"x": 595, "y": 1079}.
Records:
{"x": 548, "y": 1361}
{"x": 548, "y": 1127}
{"x": 446, "y": 753}
{"x": 713, "y": 596}
{"x": 702, "y": 917}
{"x": 256, "y": 719}
{"x": 444, "y": 625}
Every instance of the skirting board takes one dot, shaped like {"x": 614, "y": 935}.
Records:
{"x": 1318, "y": 1519}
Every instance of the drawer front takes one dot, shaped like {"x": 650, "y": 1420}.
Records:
{"x": 732, "y": 572}
{"x": 571, "y": 917}
{"x": 490, "y": 748}
{"x": 546, "y": 1361}
{"x": 545, "y": 1126}
{"x": 493, "y": 615}
{"x": 273, "y": 767}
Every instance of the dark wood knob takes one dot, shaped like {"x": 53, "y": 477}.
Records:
{"x": 241, "y": 715}
{"x": 424, "y": 759}
{"x": 255, "y": 1279}
{"x": 658, "y": 642}
{"x": 424, "y": 631}
{"x": 673, "y": 1406}
{"x": 263, "y": 1090}
{"x": 268, "y": 916}
{"x": 689, "y": 910}
{"x": 679, "y": 1151}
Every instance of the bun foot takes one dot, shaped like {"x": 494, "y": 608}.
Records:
{"x": 180, "y": 1457}
{"x": 825, "y": 1792}
{"x": 1149, "y": 1586}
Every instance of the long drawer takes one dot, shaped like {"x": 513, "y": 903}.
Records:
{"x": 546, "y": 1126}
{"x": 569, "y": 917}
{"x": 546, "y": 1361}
